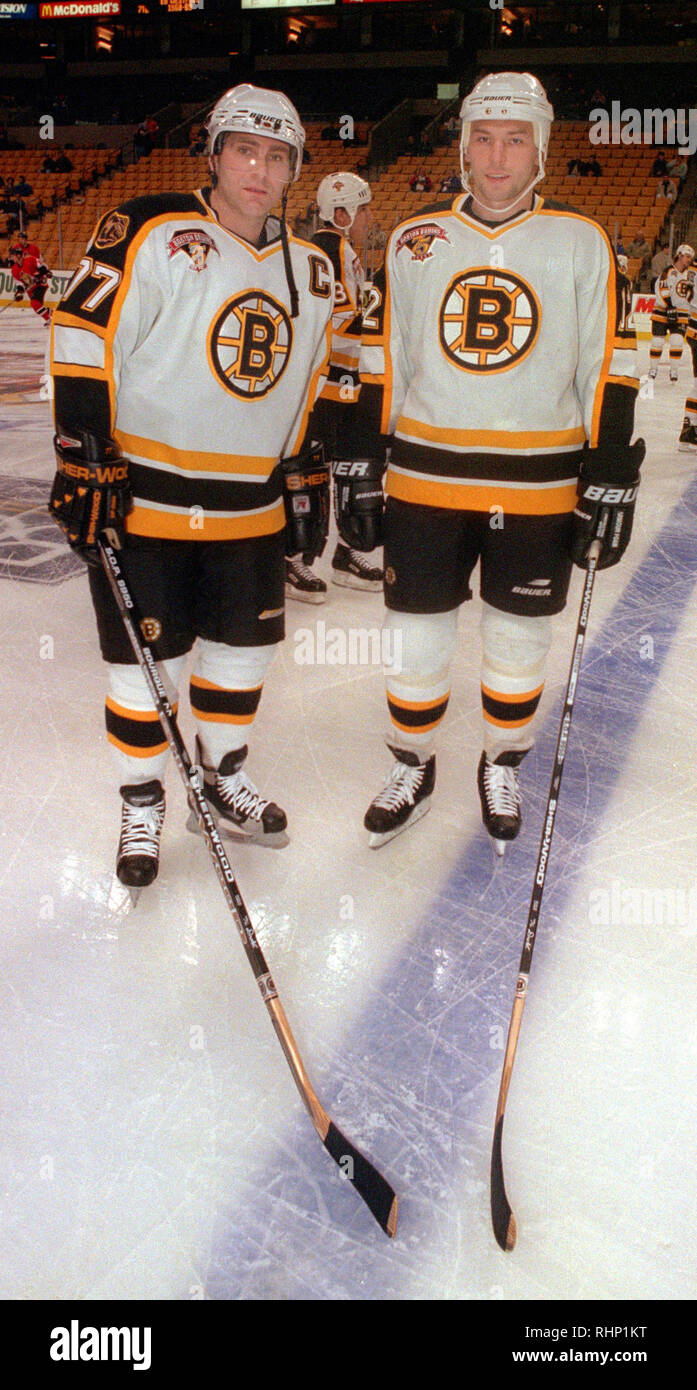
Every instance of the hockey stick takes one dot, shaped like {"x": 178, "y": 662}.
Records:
{"x": 502, "y": 1216}
{"x": 376, "y": 1192}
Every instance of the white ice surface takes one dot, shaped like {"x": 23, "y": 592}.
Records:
{"x": 154, "y": 1145}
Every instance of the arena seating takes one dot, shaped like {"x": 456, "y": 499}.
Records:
{"x": 622, "y": 197}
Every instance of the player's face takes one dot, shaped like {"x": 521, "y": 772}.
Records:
{"x": 682, "y": 262}
{"x": 361, "y": 226}
{"x": 252, "y": 171}
{"x": 503, "y": 161}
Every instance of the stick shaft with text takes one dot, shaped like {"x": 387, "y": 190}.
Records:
{"x": 376, "y": 1192}
{"x": 502, "y": 1216}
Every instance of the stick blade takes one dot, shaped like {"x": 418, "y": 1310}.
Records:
{"x": 502, "y": 1217}
{"x": 379, "y": 1197}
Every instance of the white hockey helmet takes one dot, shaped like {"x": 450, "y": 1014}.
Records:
{"x": 342, "y": 190}
{"x": 508, "y": 96}
{"x": 685, "y": 250}
{"x": 257, "y": 111}
{"x": 623, "y": 263}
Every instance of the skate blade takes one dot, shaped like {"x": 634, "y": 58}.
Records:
{"x": 305, "y": 598}
{"x": 687, "y": 448}
{"x": 276, "y": 840}
{"x": 122, "y": 899}
{"x": 348, "y": 581}
{"x": 377, "y": 840}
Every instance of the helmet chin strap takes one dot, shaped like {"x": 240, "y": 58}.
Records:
{"x": 285, "y": 249}
{"x": 467, "y": 188}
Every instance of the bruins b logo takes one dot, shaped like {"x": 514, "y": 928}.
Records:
{"x": 489, "y": 320}
{"x": 249, "y": 344}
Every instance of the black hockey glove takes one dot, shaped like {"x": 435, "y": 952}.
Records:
{"x": 91, "y": 491}
{"x": 605, "y": 509}
{"x": 306, "y": 496}
{"x": 359, "y": 504}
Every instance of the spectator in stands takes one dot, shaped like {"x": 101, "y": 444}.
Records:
{"x": 677, "y": 167}
{"x": 425, "y": 145}
{"x": 660, "y": 262}
{"x": 451, "y": 129}
{"x": 640, "y": 249}
{"x": 376, "y": 238}
{"x": 141, "y": 142}
{"x": 63, "y": 164}
{"x": 666, "y": 188}
{"x": 594, "y": 167}
{"x": 152, "y": 128}
{"x": 451, "y": 183}
{"x": 49, "y": 165}
{"x": 197, "y": 136}
{"x": 420, "y": 182}
{"x": 659, "y": 166}
{"x": 23, "y": 189}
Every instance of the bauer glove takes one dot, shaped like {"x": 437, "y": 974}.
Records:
{"x": 358, "y": 502}
{"x": 91, "y": 491}
{"x": 605, "y": 508}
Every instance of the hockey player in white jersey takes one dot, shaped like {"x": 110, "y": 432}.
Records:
{"x": 342, "y": 199}
{"x": 187, "y": 354}
{"x": 497, "y": 358}
{"x": 684, "y": 296}
{"x": 669, "y": 319}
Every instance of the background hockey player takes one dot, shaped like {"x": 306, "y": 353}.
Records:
{"x": 187, "y": 354}
{"x": 684, "y": 296}
{"x": 30, "y": 273}
{"x": 668, "y": 318}
{"x": 342, "y": 199}
{"x": 500, "y": 362}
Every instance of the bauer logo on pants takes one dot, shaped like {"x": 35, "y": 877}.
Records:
{"x": 489, "y": 320}
{"x": 249, "y": 344}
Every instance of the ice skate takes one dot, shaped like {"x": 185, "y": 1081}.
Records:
{"x": 303, "y": 584}
{"x": 404, "y": 799}
{"x": 142, "y": 818}
{"x": 351, "y": 570}
{"x": 498, "y": 792}
{"x": 687, "y": 440}
{"x": 235, "y": 804}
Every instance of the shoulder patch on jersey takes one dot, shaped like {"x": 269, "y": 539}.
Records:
{"x": 195, "y": 243}
{"x": 112, "y": 230}
{"x": 420, "y": 239}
